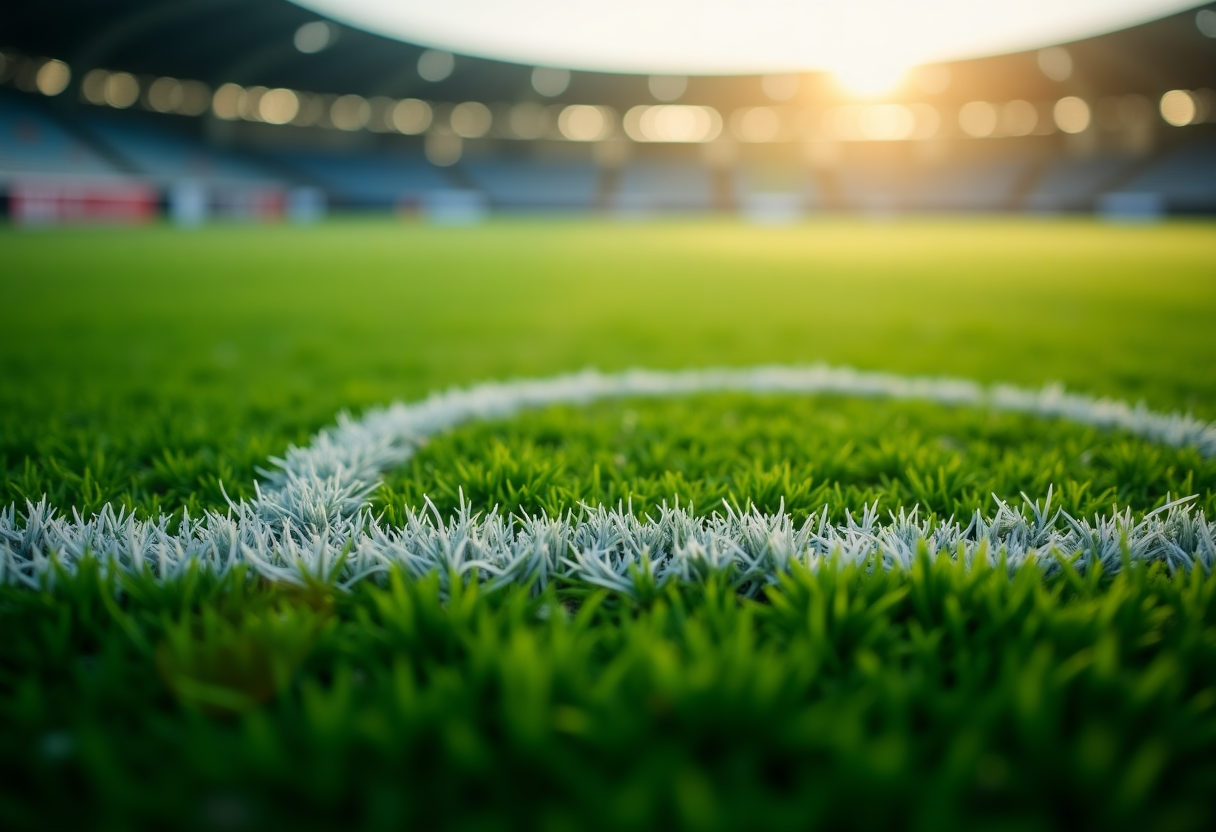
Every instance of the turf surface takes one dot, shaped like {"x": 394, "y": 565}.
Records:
{"x": 145, "y": 368}
{"x": 796, "y": 454}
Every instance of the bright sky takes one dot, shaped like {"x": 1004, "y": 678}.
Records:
{"x": 739, "y": 36}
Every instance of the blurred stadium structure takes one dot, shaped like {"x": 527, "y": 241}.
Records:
{"x": 119, "y": 109}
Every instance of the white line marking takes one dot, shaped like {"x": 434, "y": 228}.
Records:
{"x": 313, "y": 504}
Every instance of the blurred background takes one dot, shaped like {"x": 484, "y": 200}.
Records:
{"x": 263, "y": 110}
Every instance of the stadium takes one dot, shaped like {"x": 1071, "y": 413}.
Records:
{"x": 670, "y": 415}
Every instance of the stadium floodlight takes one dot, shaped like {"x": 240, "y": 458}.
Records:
{"x": 708, "y": 37}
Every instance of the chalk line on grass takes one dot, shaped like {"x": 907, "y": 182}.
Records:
{"x": 310, "y": 520}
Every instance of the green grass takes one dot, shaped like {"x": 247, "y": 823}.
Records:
{"x": 145, "y": 368}
{"x": 798, "y": 452}
{"x": 928, "y": 700}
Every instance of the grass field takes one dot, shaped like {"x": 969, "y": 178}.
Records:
{"x": 156, "y": 371}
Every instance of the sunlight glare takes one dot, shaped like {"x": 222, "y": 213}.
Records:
{"x": 708, "y": 37}
{"x": 868, "y": 77}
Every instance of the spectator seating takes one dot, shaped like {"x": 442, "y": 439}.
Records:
{"x": 962, "y": 186}
{"x": 32, "y": 143}
{"x": 677, "y": 186}
{"x": 166, "y": 156}
{"x": 1184, "y": 178}
{"x": 367, "y": 180}
{"x": 532, "y": 185}
{"x": 1073, "y": 184}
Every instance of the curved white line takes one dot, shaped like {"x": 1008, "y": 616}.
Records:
{"x": 314, "y": 500}
{"x": 354, "y": 453}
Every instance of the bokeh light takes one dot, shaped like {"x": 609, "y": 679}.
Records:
{"x": 122, "y": 90}
{"x": 978, "y": 119}
{"x": 1178, "y": 108}
{"x": 886, "y": 122}
{"x": 350, "y": 112}
{"x": 314, "y": 37}
{"x": 550, "y": 82}
{"x": 781, "y": 87}
{"x": 250, "y": 102}
{"x": 434, "y": 65}
{"x": 880, "y": 122}
{"x": 756, "y": 124}
{"x": 1018, "y": 118}
{"x": 680, "y": 123}
{"x": 528, "y": 120}
{"x": 165, "y": 95}
{"x": 667, "y": 87}
{"x": 195, "y": 98}
{"x": 1072, "y": 114}
{"x": 411, "y": 116}
{"x": 1055, "y": 62}
{"x": 585, "y": 123}
{"x": 226, "y": 103}
{"x": 1205, "y": 21}
{"x": 93, "y": 86}
{"x": 471, "y": 120}
{"x": 53, "y": 77}
{"x": 279, "y": 106}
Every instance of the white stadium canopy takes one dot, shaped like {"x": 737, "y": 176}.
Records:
{"x": 715, "y": 37}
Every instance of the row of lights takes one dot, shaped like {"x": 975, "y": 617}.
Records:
{"x": 678, "y": 123}
{"x": 45, "y": 75}
{"x": 645, "y": 123}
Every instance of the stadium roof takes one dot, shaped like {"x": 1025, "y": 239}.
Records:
{"x": 253, "y": 42}
{"x": 741, "y": 36}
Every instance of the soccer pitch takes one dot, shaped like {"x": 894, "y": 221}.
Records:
{"x": 159, "y": 372}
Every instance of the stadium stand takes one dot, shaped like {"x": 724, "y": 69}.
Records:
{"x": 533, "y": 185}
{"x": 368, "y": 180}
{"x": 1073, "y": 184}
{"x": 754, "y": 180}
{"x": 1185, "y": 179}
{"x": 972, "y": 185}
{"x": 166, "y": 156}
{"x": 78, "y": 132}
{"x": 645, "y": 187}
{"x": 32, "y": 143}
{"x": 774, "y": 195}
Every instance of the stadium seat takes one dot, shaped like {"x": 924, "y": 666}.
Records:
{"x": 371, "y": 180}
{"x": 531, "y": 185}
{"x": 987, "y": 185}
{"x": 167, "y": 156}
{"x": 754, "y": 180}
{"x": 1073, "y": 184}
{"x": 33, "y": 143}
{"x": 1185, "y": 179}
{"x": 679, "y": 186}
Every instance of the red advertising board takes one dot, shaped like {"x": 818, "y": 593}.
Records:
{"x": 50, "y": 203}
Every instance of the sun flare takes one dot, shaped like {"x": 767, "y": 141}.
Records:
{"x": 870, "y": 77}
